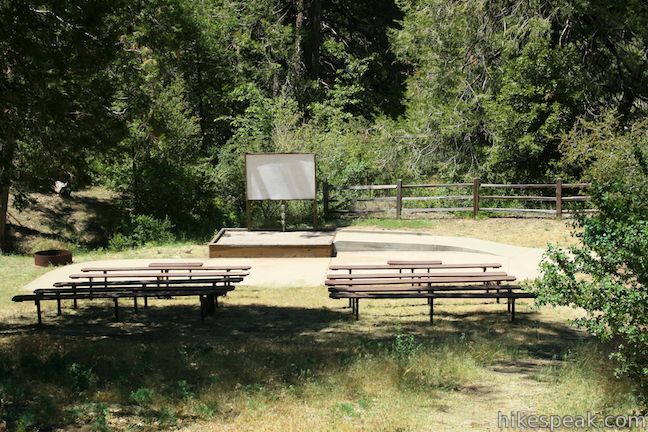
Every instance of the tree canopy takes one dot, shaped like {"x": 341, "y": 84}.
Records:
{"x": 159, "y": 99}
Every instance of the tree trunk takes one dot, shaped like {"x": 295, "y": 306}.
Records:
{"x": 6, "y": 167}
{"x": 201, "y": 105}
{"x": 315, "y": 18}
{"x": 297, "y": 61}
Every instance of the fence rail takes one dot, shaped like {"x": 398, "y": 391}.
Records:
{"x": 555, "y": 198}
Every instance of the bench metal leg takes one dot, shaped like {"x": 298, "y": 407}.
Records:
{"x": 431, "y": 301}
{"x": 38, "y": 312}
{"x": 202, "y": 308}
{"x": 116, "y": 301}
{"x": 210, "y": 304}
{"x": 135, "y": 304}
{"x": 74, "y": 303}
{"x": 145, "y": 301}
{"x": 351, "y": 303}
{"x": 357, "y": 309}
{"x": 215, "y": 301}
{"x": 508, "y": 305}
{"x": 512, "y": 309}
{"x": 58, "y": 306}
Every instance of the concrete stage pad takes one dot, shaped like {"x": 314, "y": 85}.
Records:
{"x": 240, "y": 243}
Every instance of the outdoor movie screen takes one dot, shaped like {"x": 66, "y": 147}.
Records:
{"x": 280, "y": 176}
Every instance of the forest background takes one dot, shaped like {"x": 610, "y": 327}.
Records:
{"x": 158, "y": 100}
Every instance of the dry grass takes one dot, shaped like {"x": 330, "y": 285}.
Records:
{"x": 53, "y": 221}
{"x": 528, "y": 232}
{"x": 292, "y": 359}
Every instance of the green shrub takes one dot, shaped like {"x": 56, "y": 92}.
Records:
{"x": 101, "y": 422}
{"x": 166, "y": 417}
{"x": 82, "y": 378}
{"x": 404, "y": 346}
{"x": 142, "y": 230}
{"x": 607, "y": 275}
{"x": 142, "y": 397}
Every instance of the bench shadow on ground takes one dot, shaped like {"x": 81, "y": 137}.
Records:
{"x": 325, "y": 328}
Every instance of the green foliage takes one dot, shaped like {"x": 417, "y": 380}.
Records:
{"x": 607, "y": 275}
{"x": 143, "y": 397}
{"x": 345, "y": 409}
{"x": 102, "y": 415}
{"x": 404, "y": 346}
{"x": 83, "y": 378}
{"x": 166, "y": 417}
{"x": 142, "y": 230}
{"x": 160, "y": 99}
{"x": 494, "y": 85}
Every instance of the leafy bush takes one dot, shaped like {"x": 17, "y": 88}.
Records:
{"x": 143, "y": 397}
{"x": 141, "y": 230}
{"x": 607, "y": 275}
{"x": 82, "y": 378}
{"x": 404, "y": 346}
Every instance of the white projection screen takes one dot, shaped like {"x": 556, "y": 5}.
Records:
{"x": 280, "y": 176}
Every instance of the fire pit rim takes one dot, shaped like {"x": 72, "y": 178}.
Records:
{"x": 55, "y": 257}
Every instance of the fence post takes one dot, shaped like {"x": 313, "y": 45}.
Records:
{"x": 399, "y": 198}
{"x": 325, "y": 198}
{"x": 559, "y": 198}
{"x": 476, "y": 187}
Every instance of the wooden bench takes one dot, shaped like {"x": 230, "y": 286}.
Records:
{"x": 158, "y": 275}
{"x": 428, "y": 285}
{"x": 439, "y": 291}
{"x": 207, "y": 288}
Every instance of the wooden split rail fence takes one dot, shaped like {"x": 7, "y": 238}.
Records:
{"x": 476, "y": 193}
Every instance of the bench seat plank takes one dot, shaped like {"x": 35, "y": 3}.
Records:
{"x": 411, "y": 275}
{"x": 429, "y": 288}
{"x": 405, "y": 295}
{"x": 153, "y": 275}
{"x": 176, "y": 264}
{"x": 160, "y": 268}
{"x": 151, "y": 282}
{"x": 422, "y": 280}
{"x": 380, "y": 266}
{"x": 181, "y": 288}
{"x": 470, "y": 265}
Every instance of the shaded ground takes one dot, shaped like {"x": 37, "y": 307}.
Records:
{"x": 51, "y": 221}
{"x": 291, "y": 359}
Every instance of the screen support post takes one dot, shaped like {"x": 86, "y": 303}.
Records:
{"x": 283, "y": 215}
